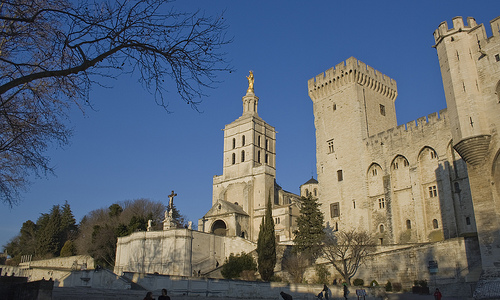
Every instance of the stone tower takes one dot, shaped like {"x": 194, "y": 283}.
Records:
{"x": 351, "y": 102}
{"x": 248, "y": 175}
{"x": 470, "y": 67}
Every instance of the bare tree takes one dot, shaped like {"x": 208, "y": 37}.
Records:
{"x": 100, "y": 228}
{"x": 296, "y": 264}
{"x": 346, "y": 250}
{"x": 52, "y": 51}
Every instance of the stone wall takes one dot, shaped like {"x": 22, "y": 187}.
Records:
{"x": 179, "y": 252}
{"x": 220, "y": 288}
{"x": 459, "y": 265}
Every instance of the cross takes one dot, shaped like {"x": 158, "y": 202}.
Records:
{"x": 171, "y": 201}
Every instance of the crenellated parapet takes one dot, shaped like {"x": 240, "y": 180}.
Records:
{"x": 424, "y": 127}
{"x": 351, "y": 71}
{"x": 444, "y": 31}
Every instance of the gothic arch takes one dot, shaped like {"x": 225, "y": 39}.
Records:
{"x": 399, "y": 161}
{"x": 374, "y": 177}
{"x": 428, "y": 164}
{"x": 374, "y": 166}
{"x": 400, "y": 172}
{"x": 219, "y": 228}
{"x": 427, "y": 150}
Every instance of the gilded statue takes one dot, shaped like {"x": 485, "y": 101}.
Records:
{"x": 250, "y": 82}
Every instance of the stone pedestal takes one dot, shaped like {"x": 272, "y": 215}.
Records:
{"x": 168, "y": 223}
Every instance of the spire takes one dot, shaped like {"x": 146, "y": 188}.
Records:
{"x": 250, "y": 101}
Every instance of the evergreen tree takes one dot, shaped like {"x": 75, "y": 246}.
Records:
{"x": 27, "y": 238}
{"x": 68, "y": 249}
{"x": 48, "y": 234}
{"x": 266, "y": 245}
{"x": 309, "y": 234}
{"x": 69, "y": 228}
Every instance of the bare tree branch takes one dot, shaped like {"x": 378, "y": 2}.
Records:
{"x": 52, "y": 51}
{"x": 346, "y": 250}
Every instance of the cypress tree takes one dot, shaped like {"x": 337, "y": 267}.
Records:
{"x": 266, "y": 245}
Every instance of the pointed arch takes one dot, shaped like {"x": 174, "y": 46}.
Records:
{"x": 374, "y": 176}
{"x": 399, "y": 161}
{"x": 427, "y": 152}
{"x": 400, "y": 173}
{"x": 428, "y": 164}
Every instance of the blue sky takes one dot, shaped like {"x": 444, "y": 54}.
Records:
{"x": 129, "y": 148}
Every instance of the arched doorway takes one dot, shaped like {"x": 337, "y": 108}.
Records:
{"x": 219, "y": 228}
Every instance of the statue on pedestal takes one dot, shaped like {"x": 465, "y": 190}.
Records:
{"x": 169, "y": 218}
{"x": 250, "y": 83}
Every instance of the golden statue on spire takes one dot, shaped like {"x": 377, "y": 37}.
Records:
{"x": 250, "y": 82}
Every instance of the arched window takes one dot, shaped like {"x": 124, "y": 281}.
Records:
{"x": 234, "y": 143}
{"x": 267, "y": 144}
{"x": 307, "y": 192}
{"x": 315, "y": 192}
{"x": 258, "y": 157}
{"x": 242, "y": 155}
{"x": 435, "y": 224}
{"x": 234, "y": 158}
{"x": 408, "y": 224}
{"x": 258, "y": 141}
{"x": 267, "y": 158}
{"x": 381, "y": 228}
{"x": 243, "y": 141}
{"x": 467, "y": 220}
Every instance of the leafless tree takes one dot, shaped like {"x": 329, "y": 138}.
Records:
{"x": 53, "y": 51}
{"x": 296, "y": 264}
{"x": 346, "y": 250}
{"x": 100, "y": 228}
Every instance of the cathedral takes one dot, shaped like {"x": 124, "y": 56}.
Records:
{"x": 428, "y": 191}
{"x": 248, "y": 180}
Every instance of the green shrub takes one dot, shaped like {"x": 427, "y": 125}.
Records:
{"x": 322, "y": 274}
{"x": 358, "y": 282}
{"x": 374, "y": 283}
{"x": 397, "y": 287}
{"x": 422, "y": 283}
{"x": 388, "y": 286}
{"x": 235, "y": 264}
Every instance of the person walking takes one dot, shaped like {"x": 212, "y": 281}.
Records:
{"x": 285, "y": 296}
{"x": 346, "y": 291}
{"x": 325, "y": 289}
{"x": 164, "y": 295}
{"x": 437, "y": 294}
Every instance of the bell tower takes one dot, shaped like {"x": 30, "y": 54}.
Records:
{"x": 249, "y": 165}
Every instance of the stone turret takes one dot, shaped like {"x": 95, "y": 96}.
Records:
{"x": 470, "y": 67}
{"x": 459, "y": 49}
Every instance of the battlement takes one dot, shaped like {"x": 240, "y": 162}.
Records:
{"x": 459, "y": 26}
{"x": 352, "y": 71}
{"x": 406, "y": 130}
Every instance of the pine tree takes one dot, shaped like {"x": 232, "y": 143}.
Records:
{"x": 266, "y": 245}
{"x": 48, "y": 234}
{"x": 309, "y": 233}
{"x": 68, "y": 224}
